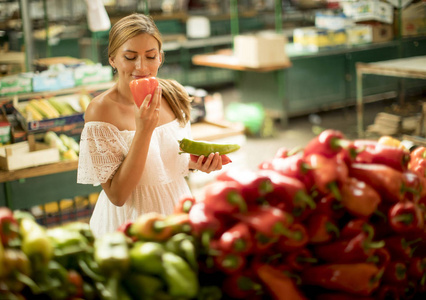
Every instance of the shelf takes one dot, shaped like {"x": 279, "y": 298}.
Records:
{"x": 92, "y": 87}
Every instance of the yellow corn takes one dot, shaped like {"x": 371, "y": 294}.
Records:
{"x": 62, "y": 107}
{"x": 84, "y": 101}
{"x": 53, "y": 113}
{"x": 32, "y": 113}
{"x": 36, "y": 105}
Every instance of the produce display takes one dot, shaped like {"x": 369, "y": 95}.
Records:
{"x": 338, "y": 219}
{"x": 68, "y": 147}
{"x": 51, "y": 108}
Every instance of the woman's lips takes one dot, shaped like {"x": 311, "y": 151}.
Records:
{"x": 139, "y": 76}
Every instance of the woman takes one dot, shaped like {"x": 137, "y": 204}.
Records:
{"x": 134, "y": 152}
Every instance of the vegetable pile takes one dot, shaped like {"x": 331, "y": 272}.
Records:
{"x": 339, "y": 219}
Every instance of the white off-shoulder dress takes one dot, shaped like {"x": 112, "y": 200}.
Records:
{"x": 102, "y": 149}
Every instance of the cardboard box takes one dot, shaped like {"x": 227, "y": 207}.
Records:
{"x": 381, "y": 32}
{"x": 261, "y": 49}
{"x": 413, "y": 20}
{"x": 333, "y": 22}
{"x": 53, "y": 80}
{"x": 359, "y": 34}
{"x": 20, "y": 156}
{"x": 15, "y": 84}
{"x": 34, "y": 126}
{"x": 369, "y": 10}
{"x": 314, "y": 39}
{"x": 91, "y": 74}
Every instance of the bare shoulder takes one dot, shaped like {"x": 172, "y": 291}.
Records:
{"x": 100, "y": 107}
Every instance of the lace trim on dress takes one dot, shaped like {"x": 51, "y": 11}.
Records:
{"x": 102, "y": 149}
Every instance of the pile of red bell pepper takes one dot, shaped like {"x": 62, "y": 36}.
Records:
{"x": 339, "y": 219}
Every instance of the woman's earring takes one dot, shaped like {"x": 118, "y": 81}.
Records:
{"x": 114, "y": 70}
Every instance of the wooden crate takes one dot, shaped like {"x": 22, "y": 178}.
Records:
{"x": 209, "y": 131}
{"x": 27, "y": 154}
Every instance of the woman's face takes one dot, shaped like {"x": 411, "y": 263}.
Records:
{"x": 138, "y": 57}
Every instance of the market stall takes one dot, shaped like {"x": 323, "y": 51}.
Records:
{"x": 341, "y": 227}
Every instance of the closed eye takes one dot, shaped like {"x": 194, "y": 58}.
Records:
{"x": 130, "y": 58}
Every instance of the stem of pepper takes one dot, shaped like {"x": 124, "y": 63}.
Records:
{"x": 373, "y": 245}
{"x": 330, "y": 227}
{"x": 338, "y": 142}
{"x": 404, "y": 218}
{"x": 369, "y": 230}
{"x": 240, "y": 245}
{"x": 294, "y": 276}
{"x": 301, "y": 196}
{"x": 280, "y": 229}
{"x": 237, "y": 199}
{"x": 335, "y": 190}
{"x": 266, "y": 187}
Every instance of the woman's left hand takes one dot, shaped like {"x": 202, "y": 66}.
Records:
{"x": 212, "y": 163}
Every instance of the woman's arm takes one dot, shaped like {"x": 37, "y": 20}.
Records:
{"x": 120, "y": 187}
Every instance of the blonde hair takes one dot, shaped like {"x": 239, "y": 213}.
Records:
{"x": 133, "y": 25}
{"x": 178, "y": 99}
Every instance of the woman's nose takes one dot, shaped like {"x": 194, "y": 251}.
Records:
{"x": 139, "y": 63}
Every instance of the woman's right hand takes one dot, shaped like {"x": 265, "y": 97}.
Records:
{"x": 147, "y": 115}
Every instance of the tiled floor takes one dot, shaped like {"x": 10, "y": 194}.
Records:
{"x": 297, "y": 133}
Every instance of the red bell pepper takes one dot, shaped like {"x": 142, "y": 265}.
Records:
{"x": 418, "y": 167}
{"x": 237, "y": 239}
{"x": 394, "y": 157}
{"x": 414, "y": 185}
{"x": 416, "y": 268}
{"x": 380, "y": 258}
{"x": 356, "y": 250}
{"x": 143, "y": 87}
{"x": 418, "y": 153}
{"x": 328, "y": 143}
{"x": 321, "y": 228}
{"x": 299, "y": 239}
{"x": 262, "y": 243}
{"x": 204, "y": 223}
{"x": 329, "y": 205}
{"x": 355, "y": 227}
{"x": 395, "y": 273}
{"x": 8, "y": 226}
{"x": 280, "y": 286}
{"x": 242, "y": 285}
{"x": 406, "y": 217}
{"x": 184, "y": 204}
{"x": 327, "y": 173}
{"x": 254, "y": 186}
{"x": 225, "y": 159}
{"x": 299, "y": 259}
{"x": 359, "y": 198}
{"x": 269, "y": 221}
{"x": 388, "y": 182}
{"x": 356, "y": 278}
{"x": 292, "y": 166}
{"x": 389, "y": 291}
{"x": 400, "y": 248}
{"x": 224, "y": 197}
{"x": 288, "y": 194}
{"x": 230, "y": 263}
